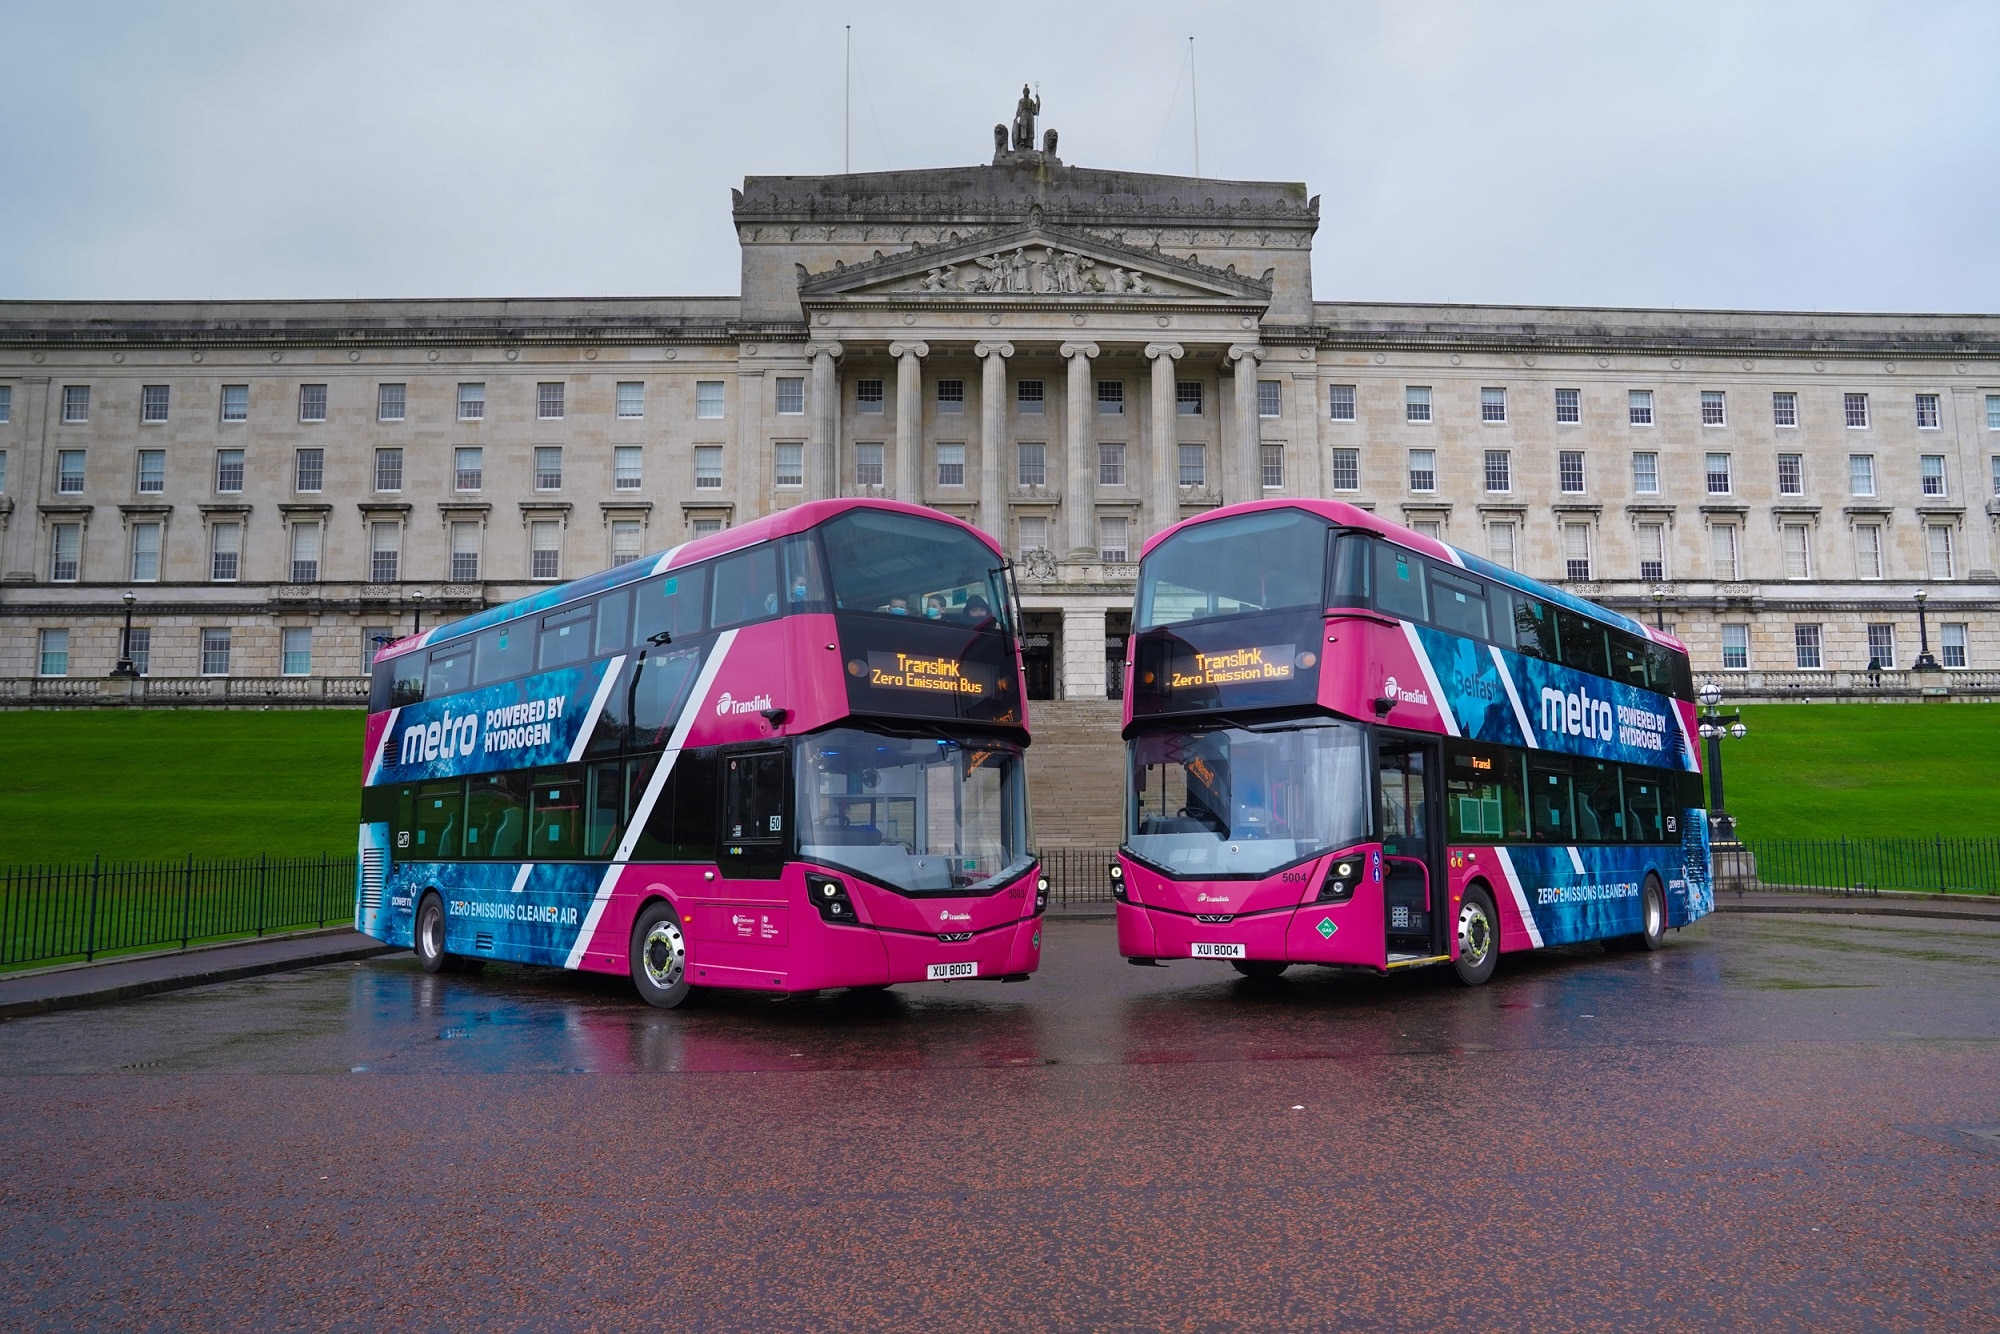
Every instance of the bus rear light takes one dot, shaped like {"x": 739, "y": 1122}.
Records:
{"x": 1307, "y": 659}
{"x": 830, "y": 897}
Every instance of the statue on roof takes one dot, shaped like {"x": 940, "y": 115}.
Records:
{"x": 1025, "y": 112}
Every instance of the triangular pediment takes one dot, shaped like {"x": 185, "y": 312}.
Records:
{"x": 1034, "y": 260}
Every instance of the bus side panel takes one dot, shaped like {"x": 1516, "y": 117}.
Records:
{"x": 1373, "y": 661}
{"x": 1691, "y": 893}
{"x": 749, "y": 679}
{"x": 1584, "y": 893}
{"x": 524, "y": 913}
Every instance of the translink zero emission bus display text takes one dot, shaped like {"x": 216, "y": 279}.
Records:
{"x": 745, "y": 763}
{"x": 1351, "y": 745}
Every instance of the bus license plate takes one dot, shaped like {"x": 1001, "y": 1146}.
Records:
{"x": 951, "y": 972}
{"x": 1204, "y": 950}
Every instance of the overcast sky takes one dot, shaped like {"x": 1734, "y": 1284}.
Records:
{"x": 1822, "y": 155}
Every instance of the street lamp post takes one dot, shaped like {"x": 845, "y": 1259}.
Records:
{"x": 1659, "y": 603}
{"x": 125, "y": 670}
{"x": 417, "y": 616}
{"x": 1714, "y": 726}
{"x": 1925, "y": 662}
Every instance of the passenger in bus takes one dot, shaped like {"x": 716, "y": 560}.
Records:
{"x": 978, "y": 613}
{"x": 934, "y": 607}
{"x": 899, "y": 606}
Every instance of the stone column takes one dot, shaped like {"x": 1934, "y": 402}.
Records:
{"x": 1240, "y": 462}
{"x": 992, "y": 445}
{"x": 823, "y": 453}
{"x": 1083, "y": 653}
{"x": 1166, "y": 457}
{"x": 1080, "y": 490}
{"x": 909, "y": 417}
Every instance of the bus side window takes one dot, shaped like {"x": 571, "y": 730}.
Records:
{"x": 407, "y": 680}
{"x": 1535, "y": 629}
{"x": 670, "y": 605}
{"x": 1628, "y": 660}
{"x": 1600, "y": 812}
{"x": 1583, "y": 647}
{"x": 657, "y": 691}
{"x": 496, "y": 817}
{"x": 1458, "y": 603}
{"x": 805, "y": 580}
{"x": 565, "y": 637}
{"x": 1473, "y": 783}
{"x": 614, "y": 623}
{"x": 753, "y": 798}
{"x": 1349, "y": 569}
{"x": 439, "y": 822}
{"x": 745, "y": 587}
{"x": 604, "y": 816}
{"x": 1399, "y": 583}
{"x": 1500, "y": 603}
{"x": 505, "y": 652}
{"x": 1643, "y": 808}
{"x": 681, "y": 825}
{"x": 450, "y": 671}
{"x": 556, "y": 827}
{"x": 1549, "y": 808}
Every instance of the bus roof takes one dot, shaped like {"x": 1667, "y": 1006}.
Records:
{"x": 796, "y": 519}
{"x": 1352, "y": 516}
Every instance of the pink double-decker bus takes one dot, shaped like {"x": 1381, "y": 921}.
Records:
{"x": 1352, "y": 745}
{"x": 783, "y": 757}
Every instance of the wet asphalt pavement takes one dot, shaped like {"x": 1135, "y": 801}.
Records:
{"x": 1774, "y": 1120}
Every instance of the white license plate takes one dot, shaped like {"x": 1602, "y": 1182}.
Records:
{"x": 951, "y": 972}
{"x": 1202, "y": 949}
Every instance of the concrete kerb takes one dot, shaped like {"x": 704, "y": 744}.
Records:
{"x": 104, "y": 982}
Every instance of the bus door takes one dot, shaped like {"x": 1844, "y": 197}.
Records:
{"x": 1408, "y": 772}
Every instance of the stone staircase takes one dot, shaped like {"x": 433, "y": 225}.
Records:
{"x": 1076, "y": 773}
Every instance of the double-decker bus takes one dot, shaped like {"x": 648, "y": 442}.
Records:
{"x": 1350, "y": 744}
{"x": 786, "y": 756}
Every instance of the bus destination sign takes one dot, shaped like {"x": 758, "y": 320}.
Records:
{"x": 1269, "y": 662}
{"x": 928, "y": 674}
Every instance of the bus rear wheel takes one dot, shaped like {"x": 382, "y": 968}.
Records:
{"x": 428, "y": 936}
{"x": 1653, "y": 910}
{"x": 659, "y": 957}
{"x": 1478, "y": 937}
{"x": 1260, "y": 970}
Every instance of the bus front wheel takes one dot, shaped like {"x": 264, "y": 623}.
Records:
{"x": 659, "y": 957}
{"x": 1478, "y": 937}
{"x": 429, "y": 935}
{"x": 1259, "y": 970}
{"x": 1653, "y": 908}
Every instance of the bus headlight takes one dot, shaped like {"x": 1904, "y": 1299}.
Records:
{"x": 829, "y": 896}
{"x": 1118, "y": 882}
{"x": 1041, "y": 892}
{"x": 1341, "y": 877}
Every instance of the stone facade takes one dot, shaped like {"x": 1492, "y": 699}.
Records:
{"x": 1070, "y": 358}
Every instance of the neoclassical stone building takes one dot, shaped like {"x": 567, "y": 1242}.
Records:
{"x": 1070, "y": 358}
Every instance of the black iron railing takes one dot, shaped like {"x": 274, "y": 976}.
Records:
{"x": 1078, "y": 876}
{"x": 1936, "y": 865}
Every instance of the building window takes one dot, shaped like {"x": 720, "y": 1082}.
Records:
{"x": 628, "y": 464}
{"x": 1110, "y": 398}
{"x": 626, "y": 535}
{"x": 708, "y": 467}
{"x": 69, "y": 472}
{"x": 788, "y": 463}
{"x": 1431, "y": 528}
{"x": 1033, "y": 532}
{"x": 1882, "y": 648}
{"x": 1784, "y": 408}
{"x": 1951, "y": 643}
{"x": 225, "y": 552}
{"x": 1111, "y": 547}
{"x": 229, "y": 470}
{"x": 708, "y": 397}
{"x": 1927, "y": 412}
{"x": 1493, "y": 405}
{"x": 1798, "y": 551}
{"x": 389, "y": 469}
{"x": 1868, "y": 550}
{"x": 153, "y": 399}
{"x": 1569, "y": 407}
{"x": 308, "y": 469}
{"x": 867, "y": 396}
{"x": 139, "y": 648}
{"x": 1652, "y": 552}
{"x": 1856, "y": 408}
{"x": 1646, "y": 473}
{"x": 1994, "y": 461}
{"x": 468, "y": 468}
{"x": 1271, "y": 464}
{"x": 791, "y": 396}
{"x": 1031, "y": 464}
{"x": 1933, "y": 474}
{"x": 868, "y": 469}
{"x": 305, "y": 553}
{"x": 55, "y": 653}
{"x": 1499, "y": 470}
{"x": 236, "y": 402}
{"x": 1270, "y": 398}
{"x": 549, "y": 400}
{"x": 548, "y": 467}
{"x": 1569, "y": 464}
{"x": 1861, "y": 474}
{"x": 312, "y": 402}
{"x": 6, "y": 403}
{"x": 76, "y": 403}
{"x": 215, "y": 652}
{"x": 1187, "y": 397}
{"x": 152, "y": 472}
{"x": 1500, "y": 543}
{"x": 632, "y": 398}
{"x": 951, "y": 398}
{"x": 1791, "y": 474}
{"x": 1723, "y": 553}
{"x": 471, "y": 402}
{"x": 545, "y": 549}
{"x": 1576, "y": 551}
{"x": 296, "y": 651}
{"x": 1111, "y": 465}
{"x": 374, "y": 639}
{"x": 1805, "y": 647}
{"x": 390, "y": 402}
{"x": 1712, "y": 408}
{"x": 1417, "y": 403}
{"x": 65, "y": 552}
{"x": 1735, "y": 648}
{"x": 1344, "y": 469}
{"x": 145, "y": 553}
{"x": 1028, "y": 397}
{"x": 1423, "y": 470}
{"x": 385, "y": 552}
{"x": 1937, "y": 541}
{"x": 1717, "y": 471}
{"x": 1340, "y": 402}
{"x": 1194, "y": 465}
{"x": 464, "y": 551}
{"x": 1639, "y": 407}
{"x": 705, "y": 527}
{"x": 951, "y": 464}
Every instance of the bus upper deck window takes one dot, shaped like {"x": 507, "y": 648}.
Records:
{"x": 671, "y": 605}
{"x": 450, "y": 671}
{"x": 1399, "y": 583}
{"x": 1349, "y": 587}
{"x": 614, "y": 622}
{"x": 505, "y": 651}
{"x": 565, "y": 637}
{"x": 745, "y": 587}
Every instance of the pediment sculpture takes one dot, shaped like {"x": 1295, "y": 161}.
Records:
{"x": 1043, "y": 269}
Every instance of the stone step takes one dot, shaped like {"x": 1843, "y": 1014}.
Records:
{"x": 1076, "y": 773}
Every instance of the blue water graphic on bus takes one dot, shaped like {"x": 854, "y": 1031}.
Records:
{"x": 492, "y": 910}
{"x": 516, "y": 725}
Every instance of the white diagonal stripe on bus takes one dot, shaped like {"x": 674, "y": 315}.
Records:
{"x": 596, "y": 707}
{"x": 690, "y": 710}
{"x": 1576, "y": 860}
{"x": 521, "y": 877}
{"x": 1514, "y": 698}
{"x": 1520, "y": 897}
{"x": 1431, "y": 679}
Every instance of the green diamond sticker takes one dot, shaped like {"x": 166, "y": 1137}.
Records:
{"x": 1326, "y": 928}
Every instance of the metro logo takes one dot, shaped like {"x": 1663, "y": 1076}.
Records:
{"x": 442, "y": 740}
{"x": 1576, "y": 714}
